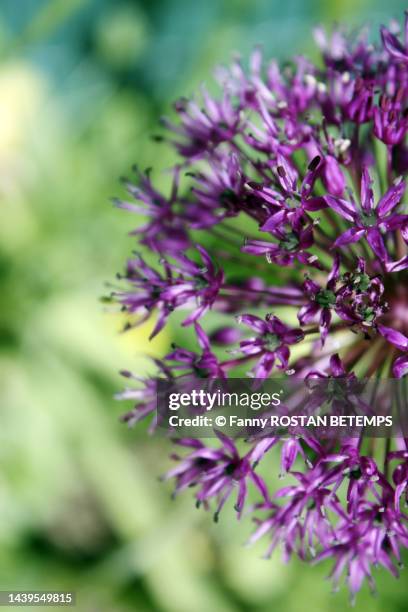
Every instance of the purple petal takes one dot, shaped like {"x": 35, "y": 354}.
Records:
{"x": 400, "y": 367}
{"x": 393, "y": 222}
{"x": 306, "y": 237}
{"x": 227, "y": 442}
{"x": 287, "y": 174}
{"x": 311, "y": 287}
{"x": 397, "y": 266}
{"x": 376, "y": 242}
{"x": 202, "y": 337}
{"x": 325, "y": 319}
{"x": 356, "y": 575}
{"x": 391, "y": 198}
{"x": 282, "y": 353}
{"x": 261, "y": 448}
{"x": 289, "y": 453}
{"x": 255, "y": 323}
{"x": 367, "y": 196}
{"x": 393, "y": 45}
{"x": 333, "y": 177}
{"x": 273, "y": 221}
{"x": 346, "y": 312}
{"x": 342, "y": 207}
{"x": 265, "y": 365}
{"x": 308, "y": 313}
{"x": 352, "y": 235}
{"x": 260, "y": 484}
{"x": 293, "y": 336}
{"x": 394, "y": 337}
{"x": 206, "y": 258}
{"x": 335, "y": 270}
{"x": 276, "y": 326}
{"x": 336, "y": 366}
{"x": 242, "y": 492}
{"x": 259, "y": 247}
{"x": 314, "y": 203}
{"x": 195, "y": 315}
{"x": 136, "y": 208}
{"x": 161, "y": 322}
{"x": 225, "y": 335}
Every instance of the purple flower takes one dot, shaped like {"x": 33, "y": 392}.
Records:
{"x": 342, "y": 393}
{"x": 320, "y": 301}
{"x": 150, "y": 290}
{"x": 390, "y": 120}
{"x": 202, "y": 365}
{"x": 216, "y": 473}
{"x": 367, "y": 220}
{"x": 300, "y": 524}
{"x": 203, "y": 286}
{"x": 205, "y": 127}
{"x": 360, "y": 299}
{"x": 145, "y": 396}
{"x": 165, "y": 232}
{"x": 373, "y": 538}
{"x": 304, "y": 165}
{"x": 294, "y": 196}
{"x": 393, "y": 46}
{"x": 219, "y": 193}
{"x": 271, "y": 343}
{"x": 293, "y": 235}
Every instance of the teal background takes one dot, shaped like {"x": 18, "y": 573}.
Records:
{"x": 82, "y": 85}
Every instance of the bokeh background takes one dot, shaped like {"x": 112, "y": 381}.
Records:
{"x": 82, "y": 85}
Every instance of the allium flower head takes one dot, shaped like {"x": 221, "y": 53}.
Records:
{"x": 287, "y": 214}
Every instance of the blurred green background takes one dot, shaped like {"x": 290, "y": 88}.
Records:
{"x": 82, "y": 84}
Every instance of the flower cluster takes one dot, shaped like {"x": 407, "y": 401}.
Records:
{"x": 286, "y": 215}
